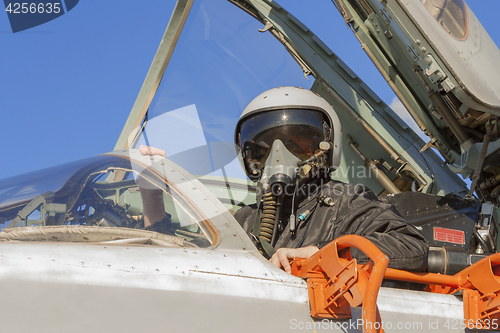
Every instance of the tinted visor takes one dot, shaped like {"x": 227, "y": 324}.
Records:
{"x": 300, "y": 130}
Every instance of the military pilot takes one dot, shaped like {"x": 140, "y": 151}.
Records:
{"x": 289, "y": 141}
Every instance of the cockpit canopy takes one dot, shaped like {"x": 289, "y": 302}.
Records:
{"x": 100, "y": 199}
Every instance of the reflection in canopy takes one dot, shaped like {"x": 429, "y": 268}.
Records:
{"x": 219, "y": 65}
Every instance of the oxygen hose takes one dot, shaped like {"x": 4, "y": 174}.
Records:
{"x": 268, "y": 219}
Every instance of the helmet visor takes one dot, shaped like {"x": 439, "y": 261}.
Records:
{"x": 300, "y": 130}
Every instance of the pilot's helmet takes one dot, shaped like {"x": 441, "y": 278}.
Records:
{"x": 285, "y": 126}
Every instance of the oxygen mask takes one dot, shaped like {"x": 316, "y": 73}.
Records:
{"x": 280, "y": 168}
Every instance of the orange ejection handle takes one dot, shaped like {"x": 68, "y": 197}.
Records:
{"x": 324, "y": 259}
{"x": 330, "y": 276}
{"x": 381, "y": 261}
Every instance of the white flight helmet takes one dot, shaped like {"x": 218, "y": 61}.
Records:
{"x": 283, "y": 127}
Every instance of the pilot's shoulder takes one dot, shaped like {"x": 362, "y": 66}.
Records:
{"x": 337, "y": 188}
{"x": 245, "y": 211}
{"x": 246, "y": 217}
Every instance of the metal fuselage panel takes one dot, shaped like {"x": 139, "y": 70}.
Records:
{"x": 63, "y": 287}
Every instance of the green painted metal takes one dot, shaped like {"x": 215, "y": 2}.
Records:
{"x": 352, "y": 99}
{"x": 371, "y": 35}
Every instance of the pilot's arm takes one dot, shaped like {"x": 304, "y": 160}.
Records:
{"x": 152, "y": 198}
{"x": 361, "y": 213}
{"x": 357, "y": 211}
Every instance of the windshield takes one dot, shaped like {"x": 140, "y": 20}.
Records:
{"x": 105, "y": 199}
{"x": 221, "y": 62}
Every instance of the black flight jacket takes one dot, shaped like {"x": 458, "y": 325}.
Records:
{"x": 351, "y": 210}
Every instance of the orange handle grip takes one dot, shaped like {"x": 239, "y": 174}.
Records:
{"x": 381, "y": 261}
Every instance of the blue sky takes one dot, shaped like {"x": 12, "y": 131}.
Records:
{"x": 67, "y": 86}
